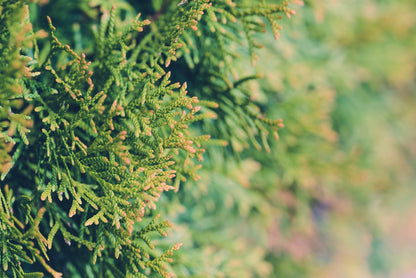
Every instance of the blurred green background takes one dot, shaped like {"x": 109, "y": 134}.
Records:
{"x": 336, "y": 196}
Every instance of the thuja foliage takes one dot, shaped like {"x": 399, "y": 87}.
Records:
{"x": 97, "y": 122}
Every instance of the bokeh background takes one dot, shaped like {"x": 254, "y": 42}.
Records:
{"x": 336, "y": 195}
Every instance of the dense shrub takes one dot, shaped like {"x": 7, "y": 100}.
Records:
{"x": 118, "y": 115}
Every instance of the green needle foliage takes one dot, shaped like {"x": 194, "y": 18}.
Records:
{"x": 94, "y": 130}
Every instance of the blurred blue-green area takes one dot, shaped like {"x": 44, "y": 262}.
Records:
{"x": 335, "y": 197}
